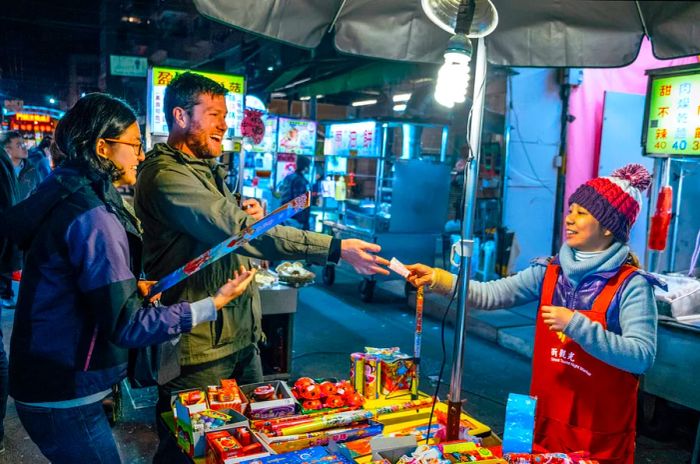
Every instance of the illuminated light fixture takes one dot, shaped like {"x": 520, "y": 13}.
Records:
{"x": 52, "y": 100}
{"x": 270, "y": 68}
{"x": 364, "y": 102}
{"x": 82, "y": 94}
{"x": 400, "y": 107}
{"x": 304, "y": 98}
{"x": 453, "y": 76}
{"x": 401, "y": 97}
{"x": 319, "y": 96}
{"x": 465, "y": 19}
{"x": 132, "y": 19}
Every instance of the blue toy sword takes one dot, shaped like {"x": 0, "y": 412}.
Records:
{"x": 217, "y": 252}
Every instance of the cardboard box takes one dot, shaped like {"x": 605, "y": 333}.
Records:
{"x": 326, "y": 437}
{"x": 284, "y": 405}
{"x": 314, "y": 455}
{"x": 192, "y": 441}
{"x": 214, "y": 394}
{"x": 216, "y": 455}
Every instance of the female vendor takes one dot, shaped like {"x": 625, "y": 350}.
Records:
{"x": 596, "y": 326}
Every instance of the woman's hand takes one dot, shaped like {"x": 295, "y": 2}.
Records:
{"x": 420, "y": 274}
{"x": 234, "y": 287}
{"x": 144, "y": 288}
{"x": 556, "y": 317}
{"x": 252, "y": 207}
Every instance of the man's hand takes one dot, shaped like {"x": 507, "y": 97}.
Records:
{"x": 252, "y": 207}
{"x": 234, "y": 287}
{"x": 360, "y": 256}
{"x": 420, "y": 275}
{"x": 144, "y": 288}
{"x": 556, "y": 317}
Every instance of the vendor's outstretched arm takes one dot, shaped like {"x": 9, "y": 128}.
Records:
{"x": 515, "y": 290}
{"x": 213, "y": 217}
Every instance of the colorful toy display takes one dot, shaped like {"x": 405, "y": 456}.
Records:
{"x": 325, "y": 394}
{"x": 383, "y": 371}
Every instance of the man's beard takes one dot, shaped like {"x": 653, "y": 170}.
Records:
{"x": 197, "y": 143}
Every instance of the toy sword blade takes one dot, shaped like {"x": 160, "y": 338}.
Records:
{"x": 217, "y": 252}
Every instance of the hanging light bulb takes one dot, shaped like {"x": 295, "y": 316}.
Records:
{"x": 453, "y": 77}
{"x": 465, "y": 19}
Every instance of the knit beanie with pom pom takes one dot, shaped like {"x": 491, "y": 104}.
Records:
{"x": 615, "y": 201}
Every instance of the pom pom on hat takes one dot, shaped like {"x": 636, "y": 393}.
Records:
{"x": 636, "y": 174}
{"x": 615, "y": 201}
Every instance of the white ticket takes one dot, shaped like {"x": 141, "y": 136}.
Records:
{"x": 398, "y": 267}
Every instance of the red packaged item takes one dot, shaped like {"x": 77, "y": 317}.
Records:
{"x": 264, "y": 393}
{"x": 334, "y": 401}
{"x": 227, "y": 444}
{"x": 328, "y": 388}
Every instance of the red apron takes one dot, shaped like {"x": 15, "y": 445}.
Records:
{"x": 583, "y": 404}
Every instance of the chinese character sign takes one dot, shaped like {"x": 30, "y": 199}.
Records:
{"x": 161, "y": 77}
{"x": 673, "y": 123}
{"x": 354, "y": 139}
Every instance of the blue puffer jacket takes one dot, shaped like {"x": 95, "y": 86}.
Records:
{"x": 78, "y": 306}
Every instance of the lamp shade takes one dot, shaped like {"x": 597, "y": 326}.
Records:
{"x": 444, "y": 14}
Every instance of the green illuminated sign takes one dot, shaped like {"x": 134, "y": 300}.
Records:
{"x": 673, "y": 122}
{"x": 159, "y": 79}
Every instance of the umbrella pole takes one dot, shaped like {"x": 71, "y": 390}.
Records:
{"x": 454, "y": 403}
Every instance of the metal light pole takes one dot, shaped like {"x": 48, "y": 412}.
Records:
{"x": 454, "y": 403}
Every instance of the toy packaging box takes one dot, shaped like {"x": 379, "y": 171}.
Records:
{"x": 268, "y": 400}
{"x": 193, "y": 419}
{"x": 233, "y": 445}
{"x": 227, "y": 396}
{"x": 324, "y": 438}
{"x": 314, "y": 455}
{"x": 381, "y": 371}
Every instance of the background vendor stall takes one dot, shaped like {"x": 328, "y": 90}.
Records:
{"x": 386, "y": 182}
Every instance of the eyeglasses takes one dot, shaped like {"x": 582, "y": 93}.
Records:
{"x": 138, "y": 144}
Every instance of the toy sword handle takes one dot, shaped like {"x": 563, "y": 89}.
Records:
{"x": 217, "y": 252}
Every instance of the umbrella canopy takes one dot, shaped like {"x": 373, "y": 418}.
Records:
{"x": 556, "y": 33}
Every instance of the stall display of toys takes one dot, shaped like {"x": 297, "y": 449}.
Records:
{"x": 292, "y": 425}
{"x": 326, "y": 395}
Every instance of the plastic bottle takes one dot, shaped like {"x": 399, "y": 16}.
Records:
{"x": 340, "y": 189}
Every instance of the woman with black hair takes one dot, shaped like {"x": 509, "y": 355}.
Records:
{"x": 79, "y": 306}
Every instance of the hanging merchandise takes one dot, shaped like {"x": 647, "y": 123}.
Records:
{"x": 340, "y": 189}
{"x": 252, "y": 126}
{"x": 658, "y": 232}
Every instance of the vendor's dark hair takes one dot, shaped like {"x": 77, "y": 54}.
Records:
{"x": 302, "y": 163}
{"x": 95, "y": 116}
{"x": 7, "y": 137}
{"x": 184, "y": 91}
